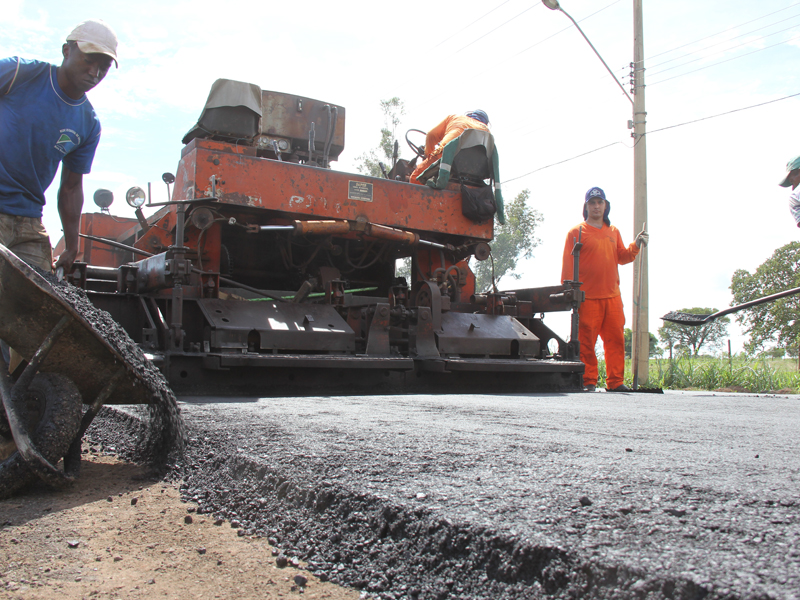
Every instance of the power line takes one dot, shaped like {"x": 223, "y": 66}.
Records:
{"x": 720, "y": 32}
{"x": 405, "y": 83}
{"x": 650, "y": 132}
{"x": 561, "y": 162}
{"x": 565, "y": 28}
{"x": 471, "y": 24}
{"x": 719, "y": 52}
{"x": 729, "y": 40}
{"x": 496, "y": 28}
{"x": 724, "y": 113}
{"x": 430, "y": 98}
{"x": 724, "y": 61}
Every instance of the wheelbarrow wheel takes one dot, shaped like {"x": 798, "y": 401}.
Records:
{"x": 51, "y": 412}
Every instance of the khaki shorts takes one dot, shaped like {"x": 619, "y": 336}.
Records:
{"x": 27, "y": 238}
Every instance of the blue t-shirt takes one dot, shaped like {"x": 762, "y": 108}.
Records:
{"x": 40, "y": 126}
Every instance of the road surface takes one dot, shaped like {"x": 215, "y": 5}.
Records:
{"x": 680, "y": 495}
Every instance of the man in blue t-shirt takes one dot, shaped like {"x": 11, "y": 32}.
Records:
{"x": 46, "y": 120}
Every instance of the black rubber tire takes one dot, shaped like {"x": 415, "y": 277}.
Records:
{"x": 53, "y": 413}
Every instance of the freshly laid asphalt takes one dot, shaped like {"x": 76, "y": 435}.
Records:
{"x": 585, "y": 495}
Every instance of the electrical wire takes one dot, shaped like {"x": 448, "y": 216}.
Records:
{"x": 570, "y": 26}
{"x": 624, "y": 70}
{"x": 561, "y": 162}
{"x": 722, "y": 114}
{"x": 651, "y": 132}
{"x": 730, "y": 40}
{"x": 471, "y": 24}
{"x": 725, "y": 61}
{"x": 498, "y": 27}
{"x": 431, "y": 98}
{"x": 718, "y": 52}
{"x": 405, "y": 83}
{"x": 648, "y": 58}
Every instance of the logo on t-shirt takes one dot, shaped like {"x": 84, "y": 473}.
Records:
{"x": 68, "y": 140}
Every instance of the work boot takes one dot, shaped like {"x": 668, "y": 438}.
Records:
{"x": 620, "y": 388}
{"x": 589, "y": 388}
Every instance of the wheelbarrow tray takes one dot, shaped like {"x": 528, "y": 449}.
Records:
{"x": 30, "y": 307}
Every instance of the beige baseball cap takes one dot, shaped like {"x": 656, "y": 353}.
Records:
{"x": 95, "y": 37}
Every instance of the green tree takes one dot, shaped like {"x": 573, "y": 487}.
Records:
{"x": 654, "y": 349}
{"x": 691, "y": 338}
{"x": 774, "y": 323}
{"x": 512, "y": 241}
{"x": 393, "y": 110}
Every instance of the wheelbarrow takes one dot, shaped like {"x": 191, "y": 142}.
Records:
{"x": 69, "y": 364}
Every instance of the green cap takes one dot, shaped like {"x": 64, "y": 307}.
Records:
{"x": 790, "y": 166}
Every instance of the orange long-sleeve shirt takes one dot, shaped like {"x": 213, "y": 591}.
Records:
{"x": 449, "y": 129}
{"x": 602, "y": 251}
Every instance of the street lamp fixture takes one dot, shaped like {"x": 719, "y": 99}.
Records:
{"x": 554, "y": 5}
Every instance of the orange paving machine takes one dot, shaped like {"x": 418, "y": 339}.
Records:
{"x": 268, "y": 273}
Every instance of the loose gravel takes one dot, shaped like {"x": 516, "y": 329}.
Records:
{"x": 162, "y": 434}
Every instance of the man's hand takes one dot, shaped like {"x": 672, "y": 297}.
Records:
{"x": 65, "y": 260}
{"x": 642, "y": 239}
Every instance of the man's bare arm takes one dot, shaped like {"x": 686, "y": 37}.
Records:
{"x": 70, "y": 205}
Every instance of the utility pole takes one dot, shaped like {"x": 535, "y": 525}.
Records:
{"x": 640, "y": 340}
{"x": 641, "y": 334}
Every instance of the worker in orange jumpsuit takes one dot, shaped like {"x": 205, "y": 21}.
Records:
{"x": 601, "y": 314}
{"x": 449, "y": 129}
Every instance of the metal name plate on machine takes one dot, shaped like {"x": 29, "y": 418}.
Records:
{"x": 268, "y": 326}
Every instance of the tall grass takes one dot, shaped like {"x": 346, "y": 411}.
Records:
{"x": 705, "y": 373}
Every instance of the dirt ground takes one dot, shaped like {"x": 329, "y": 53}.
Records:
{"x": 116, "y": 534}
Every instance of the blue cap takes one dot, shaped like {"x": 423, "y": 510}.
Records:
{"x": 479, "y": 115}
{"x": 597, "y": 192}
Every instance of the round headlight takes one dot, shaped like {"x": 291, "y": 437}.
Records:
{"x": 103, "y": 198}
{"x": 135, "y": 197}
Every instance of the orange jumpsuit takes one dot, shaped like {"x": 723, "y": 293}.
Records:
{"x": 449, "y": 129}
{"x": 601, "y": 314}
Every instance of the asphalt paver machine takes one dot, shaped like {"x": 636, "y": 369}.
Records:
{"x": 269, "y": 273}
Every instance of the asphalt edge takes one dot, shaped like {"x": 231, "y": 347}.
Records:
{"x": 390, "y": 551}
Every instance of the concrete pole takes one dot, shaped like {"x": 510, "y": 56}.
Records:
{"x": 641, "y": 347}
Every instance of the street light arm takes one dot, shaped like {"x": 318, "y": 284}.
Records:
{"x": 574, "y": 22}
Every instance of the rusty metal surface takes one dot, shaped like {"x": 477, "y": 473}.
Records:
{"x": 261, "y": 183}
{"x": 290, "y": 116}
{"x": 487, "y": 335}
{"x": 540, "y": 298}
{"x": 267, "y": 326}
{"x": 30, "y": 309}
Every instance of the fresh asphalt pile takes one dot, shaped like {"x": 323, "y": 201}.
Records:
{"x": 160, "y": 430}
{"x": 445, "y": 509}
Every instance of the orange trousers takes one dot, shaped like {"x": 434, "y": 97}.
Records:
{"x": 605, "y": 318}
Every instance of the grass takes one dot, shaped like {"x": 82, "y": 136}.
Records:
{"x": 707, "y": 373}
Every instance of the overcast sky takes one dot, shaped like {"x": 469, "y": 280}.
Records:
{"x": 713, "y": 200}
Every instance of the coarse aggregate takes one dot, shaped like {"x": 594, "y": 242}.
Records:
{"x": 401, "y": 513}
{"x": 161, "y": 432}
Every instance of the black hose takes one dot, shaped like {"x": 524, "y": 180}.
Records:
{"x": 331, "y": 130}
